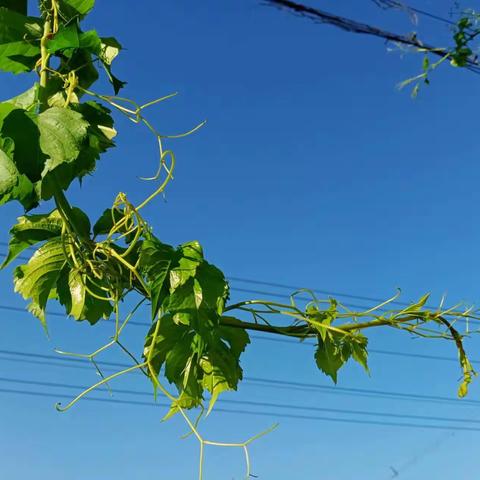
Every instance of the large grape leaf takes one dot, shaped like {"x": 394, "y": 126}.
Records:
{"x": 32, "y": 229}
{"x": 335, "y": 349}
{"x": 100, "y": 134}
{"x": 221, "y": 366}
{"x": 196, "y": 362}
{"x": 71, "y": 37}
{"x": 62, "y": 134}
{"x": 27, "y": 99}
{"x": 156, "y": 259}
{"x": 70, "y": 9}
{"x": 197, "y": 354}
{"x": 73, "y": 290}
{"x": 21, "y": 126}
{"x": 329, "y": 357}
{"x": 13, "y": 184}
{"x": 19, "y": 41}
{"x": 37, "y": 279}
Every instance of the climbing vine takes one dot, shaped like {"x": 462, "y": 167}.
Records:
{"x": 53, "y": 134}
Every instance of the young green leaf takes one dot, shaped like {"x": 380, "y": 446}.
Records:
{"x": 329, "y": 356}
{"x": 37, "y": 279}
{"x": 108, "y": 51}
{"x": 32, "y": 229}
{"x": 358, "y": 345}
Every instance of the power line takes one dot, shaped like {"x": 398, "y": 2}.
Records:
{"x": 353, "y": 26}
{"x": 254, "y": 403}
{"x": 409, "y": 8}
{"x": 252, "y": 412}
{"x": 68, "y": 362}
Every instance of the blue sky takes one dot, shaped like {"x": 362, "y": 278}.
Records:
{"x": 313, "y": 170}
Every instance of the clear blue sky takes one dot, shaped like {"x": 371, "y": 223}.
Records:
{"x": 313, "y": 170}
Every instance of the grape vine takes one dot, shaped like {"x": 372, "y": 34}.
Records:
{"x": 53, "y": 134}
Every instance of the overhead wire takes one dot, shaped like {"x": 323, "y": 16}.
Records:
{"x": 68, "y": 362}
{"x": 353, "y": 26}
{"x": 38, "y": 383}
{"x": 406, "y": 6}
{"x": 262, "y": 413}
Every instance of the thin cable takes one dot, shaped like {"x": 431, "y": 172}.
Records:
{"x": 405, "y": 6}
{"x": 353, "y": 26}
{"x": 254, "y": 403}
{"x": 251, "y": 412}
{"x": 67, "y": 362}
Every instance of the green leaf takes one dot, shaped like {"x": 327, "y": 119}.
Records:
{"x": 20, "y": 125}
{"x": 13, "y": 184}
{"x": 73, "y": 291}
{"x": 105, "y": 223}
{"x": 169, "y": 334}
{"x": 184, "y": 401}
{"x": 183, "y": 304}
{"x": 18, "y": 57}
{"x": 37, "y": 279}
{"x": 322, "y": 319}
{"x": 336, "y": 349}
{"x": 110, "y": 48}
{"x": 19, "y": 41}
{"x": 81, "y": 61}
{"x": 91, "y": 41}
{"x": 62, "y": 132}
{"x": 25, "y": 100}
{"x": 236, "y": 338}
{"x": 358, "y": 345}
{"x": 16, "y": 27}
{"x": 32, "y": 229}
{"x": 211, "y": 285}
{"x": 156, "y": 259}
{"x": 82, "y": 222}
{"x": 190, "y": 256}
{"x": 67, "y": 38}
{"x": 194, "y": 361}
{"x": 75, "y": 8}
{"x": 220, "y": 365}
{"x": 329, "y": 357}
{"x": 100, "y": 128}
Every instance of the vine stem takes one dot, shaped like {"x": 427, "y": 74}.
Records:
{"x": 45, "y": 57}
{"x": 61, "y": 201}
{"x": 308, "y": 331}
